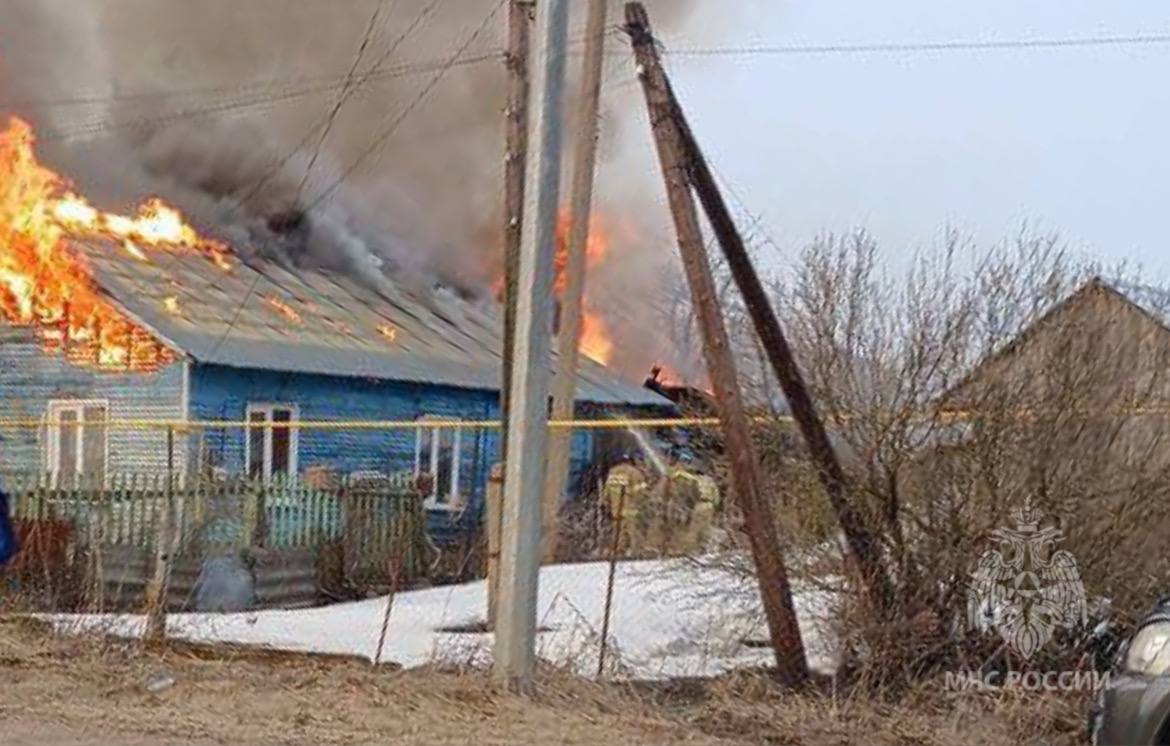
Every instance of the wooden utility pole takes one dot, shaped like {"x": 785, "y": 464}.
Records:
{"x": 759, "y": 523}
{"x": 524, "y": 469}
{"x": 580, "y": 209}
{"x": 164, "y": 549}
{"x": 494, "y": 499}
{"x": 515, "y": 161}
{"x": 862, "y": 544}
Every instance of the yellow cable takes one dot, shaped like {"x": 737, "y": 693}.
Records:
{"x": 439, "y": 424}
{"x": 130, "y": 424}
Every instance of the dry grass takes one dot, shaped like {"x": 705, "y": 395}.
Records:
{"x": 96, "y": 685}
{"x": 55, "y": 688}
{"x": 748, "y": 705}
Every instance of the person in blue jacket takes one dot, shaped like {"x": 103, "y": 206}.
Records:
{"x": 8, "y": 543}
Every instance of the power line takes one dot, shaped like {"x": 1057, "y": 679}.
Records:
{"x": 341, "y": 99}
{"x": 756, "y": 219}
{"x": 95, "y": 127}
{"x": 939, "y": 46}
{"x": 100, "y": 126}
{"x": 386, "y": 134}
{"x": 375, "y": 145}
{"x": 331, "y": 82}
{"x": 272, "y": 86}
{"x": 328, "y": 122}
{"x": 276, "y": 85}
{"x": 280, "y": 163}
{"x": 347, "y": 89}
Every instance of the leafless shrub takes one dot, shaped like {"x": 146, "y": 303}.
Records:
{"x": 956, "y": 394}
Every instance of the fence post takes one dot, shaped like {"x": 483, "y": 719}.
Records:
{"x": 346, "y": 500}
{"x": 494, "y": 523}
{"x": 199, "y": 498}
{"x": 259, "y": 535}
{"x": 249, "y": 497}
{"x": 395, "y": 579}
{"x": 156, "y": 597}
{"x": 96, "y": 600}
{"x": 615, "y": 547}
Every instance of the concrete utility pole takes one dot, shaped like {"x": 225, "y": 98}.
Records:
{"x": 515, "y": 647}
{"x": 515, "y": 162}
{"x": 569, "y": 335}
{"x": 759, "y": 524}
{"x": 862, "y": 544}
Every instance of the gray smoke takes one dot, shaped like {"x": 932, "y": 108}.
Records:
{"x": 205, "y": 104}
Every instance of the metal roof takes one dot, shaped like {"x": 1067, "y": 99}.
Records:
{"x": 267, "y": 316}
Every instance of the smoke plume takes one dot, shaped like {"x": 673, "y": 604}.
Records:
{"x": 219, "y": 107}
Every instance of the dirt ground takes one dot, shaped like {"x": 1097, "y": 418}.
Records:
{"x": 56, "y": 691}
{"x": 38, "y": 733}
{"x": 61, "y": 691}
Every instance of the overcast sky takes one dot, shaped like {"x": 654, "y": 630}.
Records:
{"x": 1072, "y": 139}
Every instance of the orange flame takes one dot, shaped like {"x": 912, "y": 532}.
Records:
{"x": 46, "y": 284}
{"x": 133, "y": 250}
{"x": 389, "y": 332}
{"x": 595, "y": 343}
{"x": 596, "y": 247}
{"x": 284, "y": 309}
{"x": 156, "y": 225}
{"x": 172, "y": 305}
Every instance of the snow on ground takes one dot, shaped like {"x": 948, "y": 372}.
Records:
{"x": 670, "y": 618}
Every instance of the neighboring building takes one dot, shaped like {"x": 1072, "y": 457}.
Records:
{"x": 1104, "y": 343}
{"x": 269, "y": 347}
{"x": 1084, "y": 390}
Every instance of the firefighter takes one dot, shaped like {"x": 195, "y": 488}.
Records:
{"x": 625, "y": 491}
{"x": 692, "y": 498}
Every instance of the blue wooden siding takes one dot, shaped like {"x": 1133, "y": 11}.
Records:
{"x": 223, "y": 393}
{"x": 30, "y": 378}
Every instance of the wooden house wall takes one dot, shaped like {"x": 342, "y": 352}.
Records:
{"x": 31, "y": 377}
{"x": 220, "y": 393}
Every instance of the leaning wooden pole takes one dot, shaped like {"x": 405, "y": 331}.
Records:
{"x": 862, "y": 544}
{"x": 759, "y": 523}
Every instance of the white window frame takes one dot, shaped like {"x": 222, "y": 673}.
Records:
{"x": 53, "y": 435}
{"x": 454, "y": 500}
{"x": 294, "y": 446}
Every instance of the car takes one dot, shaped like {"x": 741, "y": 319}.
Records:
{"x": 1134, "y": 705}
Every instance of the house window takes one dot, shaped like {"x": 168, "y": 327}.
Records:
{"x": 270, "y": 449}
{"x": 436, "y": 453}
{"x": 76, "y": 446}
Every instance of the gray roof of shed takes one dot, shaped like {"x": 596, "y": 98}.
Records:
{"x": 229, "y": 318}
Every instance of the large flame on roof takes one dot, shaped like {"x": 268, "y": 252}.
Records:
{"x": 594, "y": 342}
{"x": 45, "y": 283}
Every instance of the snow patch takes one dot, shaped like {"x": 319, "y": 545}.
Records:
{"x": 669, "y": 619}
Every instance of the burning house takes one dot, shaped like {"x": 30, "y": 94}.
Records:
{"x": 108, "y": 319}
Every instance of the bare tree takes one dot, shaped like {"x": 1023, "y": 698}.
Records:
{"x": 958, "y": 391}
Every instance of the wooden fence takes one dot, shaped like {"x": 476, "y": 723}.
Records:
{"x": 379, "y": 527}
